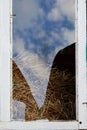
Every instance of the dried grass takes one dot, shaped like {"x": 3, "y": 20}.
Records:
{"x": 60, "y": 97}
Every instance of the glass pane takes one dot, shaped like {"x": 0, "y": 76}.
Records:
{"x": 43, "y": 60}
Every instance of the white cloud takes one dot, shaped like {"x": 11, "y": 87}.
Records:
{"x": 55, "y": 15}
{"x": 68, "y": 35}
{"x": 34, "y": 69}
{"x": 18, "y": 45}
{"x": 26, "y": 13}
{"x": 29, "y": 59}
{"x": 33, "y": 62}
{"x": 67, "y": 8}
{"x": 61, "y": 9}
{"x": 40, "y": 34}
{"x": 55, "y": 35}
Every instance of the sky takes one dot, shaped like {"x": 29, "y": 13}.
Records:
{"x": 40, "y": 29}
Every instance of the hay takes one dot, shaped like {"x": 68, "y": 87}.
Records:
{"x": 22, "y": 93}
{"x": 60, "y": 98}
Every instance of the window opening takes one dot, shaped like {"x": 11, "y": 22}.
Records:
{"x": 43, "y": 61}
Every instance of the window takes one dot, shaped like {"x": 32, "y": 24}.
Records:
{"x": 44, "y": 60}
{"x": 25, "y": 28}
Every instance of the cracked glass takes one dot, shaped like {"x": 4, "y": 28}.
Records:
{"x": 43, "y": 61}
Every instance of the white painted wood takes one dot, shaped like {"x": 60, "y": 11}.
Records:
{"x": 76, "y": 54}
{"x": 39, "y": 125}
{"x": 82, "y": 88}
{"x": 4, "y": 61}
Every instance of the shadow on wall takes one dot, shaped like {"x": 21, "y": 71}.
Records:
{"x": 60, "y": 96}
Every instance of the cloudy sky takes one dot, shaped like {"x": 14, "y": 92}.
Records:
{"x": 40, "y": 29}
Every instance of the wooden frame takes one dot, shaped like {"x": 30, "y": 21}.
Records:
{"x": 5, "y": 73}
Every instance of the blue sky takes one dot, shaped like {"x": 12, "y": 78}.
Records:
{"x": 40, "y": 30}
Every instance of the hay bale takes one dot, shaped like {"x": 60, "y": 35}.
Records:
{"x": 60, "y": 97}
{"x": 21, "y": 92}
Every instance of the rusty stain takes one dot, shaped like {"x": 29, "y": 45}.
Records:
{"x": 84, "y": 103}
{"x": 12, "y": 15}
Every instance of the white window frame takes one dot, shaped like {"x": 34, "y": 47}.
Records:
{"x": 5, "y": 74}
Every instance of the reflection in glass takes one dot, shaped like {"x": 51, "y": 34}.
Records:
{"x": 43, "y": 60}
